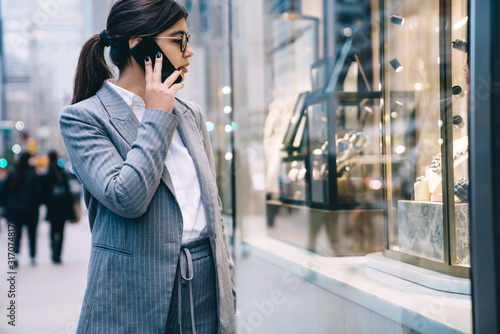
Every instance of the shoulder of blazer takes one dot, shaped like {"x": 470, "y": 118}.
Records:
{"x": 89, "y": 111}
{"x": 194, "y": 108}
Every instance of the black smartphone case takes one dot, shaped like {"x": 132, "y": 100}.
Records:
{"x": 148, "y": 47}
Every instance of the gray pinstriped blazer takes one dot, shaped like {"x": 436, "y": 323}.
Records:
{"x": 134, "y": 216}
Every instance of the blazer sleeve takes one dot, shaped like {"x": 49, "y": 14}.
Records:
{"x": 211, "y": 160}
{"x": 125, "y": 187}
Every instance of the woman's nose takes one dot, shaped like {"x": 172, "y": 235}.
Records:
{"x": 189, "y": 51}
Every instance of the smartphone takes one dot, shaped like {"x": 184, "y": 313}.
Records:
{"x": 148, "y": 47}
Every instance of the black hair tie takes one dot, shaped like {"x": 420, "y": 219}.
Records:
{"x": 105, "y": 38}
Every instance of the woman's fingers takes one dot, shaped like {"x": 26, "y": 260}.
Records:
{"x": 177, "y": 87}
{"x": 149, "y": 69}
{"x": 171, "y": 79}
{"x": 160, "y": 95}
{"x": 158, "y": 67}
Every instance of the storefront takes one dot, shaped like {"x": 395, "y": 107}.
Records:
{"x": 353, "y": 142}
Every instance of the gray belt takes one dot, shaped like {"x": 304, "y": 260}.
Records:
{"x": 185, "y": 274}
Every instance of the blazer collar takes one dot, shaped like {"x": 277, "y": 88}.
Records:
{"x": 123, "y": 119}
{"x": 122, "y": 116}
{"x": 117, "y": 108}
{"x": 127, "y": 125}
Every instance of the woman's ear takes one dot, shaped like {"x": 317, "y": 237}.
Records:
{"x": 133, "y": 42}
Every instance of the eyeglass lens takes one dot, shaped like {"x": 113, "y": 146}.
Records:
{"x": 184, "y": 42}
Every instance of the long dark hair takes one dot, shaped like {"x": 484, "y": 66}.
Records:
{"x": 128, "y": 19}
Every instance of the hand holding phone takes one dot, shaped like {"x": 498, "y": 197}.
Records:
{"x": 147, "y": 47}
{"x": 160, "y": 94}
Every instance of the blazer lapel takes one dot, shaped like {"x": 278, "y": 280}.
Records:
{"x": 188, "y": 130}
{"x": 125, "y": 123}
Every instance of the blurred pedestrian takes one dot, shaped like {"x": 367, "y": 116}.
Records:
{"x": 3, "y": 176}
{"x": 159, "y": 261}
{"x": 21, "y": 195}
{"x": 59, "y": 201}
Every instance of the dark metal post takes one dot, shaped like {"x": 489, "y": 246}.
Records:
{"x": 446, "y": 129}
{"x": 484, "y": 160}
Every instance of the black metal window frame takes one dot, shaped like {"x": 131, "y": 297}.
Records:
{"x": 484, "y": 162}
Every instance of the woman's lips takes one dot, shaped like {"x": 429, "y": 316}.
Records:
{"x": 184, "y": 68}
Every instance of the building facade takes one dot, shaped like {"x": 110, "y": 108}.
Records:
{"x": 41, "y": 44}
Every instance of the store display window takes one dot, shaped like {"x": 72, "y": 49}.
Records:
{"x": 379, "y": 139}
{"x": 425, "y": 54}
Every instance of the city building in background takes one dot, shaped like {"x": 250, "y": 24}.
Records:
{"x": 41, "y": 44}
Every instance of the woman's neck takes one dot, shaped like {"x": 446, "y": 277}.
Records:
{"x": 133, "y": 80}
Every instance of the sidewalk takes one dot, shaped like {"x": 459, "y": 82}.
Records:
{"x": 48, "y": 297}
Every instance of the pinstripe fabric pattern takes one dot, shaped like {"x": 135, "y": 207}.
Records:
{"x": 134, "y": 217}
{"x": 204, "y": 299}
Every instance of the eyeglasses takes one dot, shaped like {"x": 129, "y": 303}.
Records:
{"x": 183, "y": 40}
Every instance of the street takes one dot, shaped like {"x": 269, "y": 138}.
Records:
{"x": 48, "y": 297}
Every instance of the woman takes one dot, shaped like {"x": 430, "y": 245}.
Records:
{"x": 159, "y": 261}
{"x": 21, "y": 197}
{"x": 59, "y": 201}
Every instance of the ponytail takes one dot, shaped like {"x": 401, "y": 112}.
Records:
{"x": 91, "y": 71}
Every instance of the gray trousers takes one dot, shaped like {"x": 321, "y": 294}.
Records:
{"x": 198, "y": 267}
